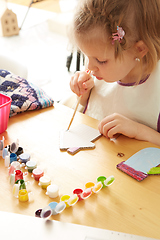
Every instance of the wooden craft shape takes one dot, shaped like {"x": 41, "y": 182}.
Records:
{"x": 139, "y": 165}
{"x": 77, "y": 138}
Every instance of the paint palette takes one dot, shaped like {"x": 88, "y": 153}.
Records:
{"x": 77, "y": 138}
{"x": 142, "y": 163}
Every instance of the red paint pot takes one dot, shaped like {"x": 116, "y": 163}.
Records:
{"x": 79, "y": 192}
{"x": 18, "y": 175}
{"x": 37, "y": 173}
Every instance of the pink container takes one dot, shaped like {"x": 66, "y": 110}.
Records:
{"x": 5, "y": 105}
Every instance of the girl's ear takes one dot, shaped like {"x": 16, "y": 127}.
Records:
{"x": 141, "y": 49}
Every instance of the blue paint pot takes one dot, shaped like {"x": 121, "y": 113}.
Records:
{"x": 13, "y": 157}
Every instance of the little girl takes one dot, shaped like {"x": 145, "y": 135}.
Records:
{"x": 121, "y": 40}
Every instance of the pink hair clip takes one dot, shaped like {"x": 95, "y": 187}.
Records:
{"x": 118, "y": 35}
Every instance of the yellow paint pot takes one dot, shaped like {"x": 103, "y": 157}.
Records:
{"x": 89, "y": 185}
{"x": 23, "y": 195}
{"x": 65, "y": 199}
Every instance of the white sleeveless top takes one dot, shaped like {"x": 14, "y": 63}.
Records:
{"x": 140, "y": 103}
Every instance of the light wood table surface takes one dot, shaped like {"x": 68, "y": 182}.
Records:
{"x": 48, "y": 5}
{"x": 126, "y": 206}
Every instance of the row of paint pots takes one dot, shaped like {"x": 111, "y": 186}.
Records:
{"x": 66, "y": 201}
{"x": 20, "y": 190}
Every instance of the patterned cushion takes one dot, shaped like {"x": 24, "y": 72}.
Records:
{"x": 25, "y": 96}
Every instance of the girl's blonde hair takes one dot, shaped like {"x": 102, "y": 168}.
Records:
{"x": 140, "y": 19}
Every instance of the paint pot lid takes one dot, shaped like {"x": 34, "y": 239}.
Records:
{"x": 86, "y": 193}
{"x": 37, "y": 172}
{"x": 98, "y": 186}
{"x": 31, "y": 164}
{"x": 46, "y": 212}
{"x": 109, "y": 180}
{"x": 24, "y": 157}
{"x": 16, "y": 164}
{"x": 72, "y": 200}
{"x": 60, "y": 207}
{"x": 45, "y": 180}
{"x": 19, "y": 151}
{"x": 53, "y": 188}
{"x": 14, "y": 146}
{"x": 5, "y": 152}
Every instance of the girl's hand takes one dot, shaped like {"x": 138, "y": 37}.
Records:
{"x": 81, "y": 83}
{"x": 117, "y": 123}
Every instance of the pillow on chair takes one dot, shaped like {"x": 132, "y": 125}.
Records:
{"x": 25, "y": 96}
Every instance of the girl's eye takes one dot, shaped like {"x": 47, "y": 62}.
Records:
{"x": 101, "y": 62}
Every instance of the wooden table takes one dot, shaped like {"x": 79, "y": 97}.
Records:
{"x": 48, "y": 5}
{"x": 126, "y": 206}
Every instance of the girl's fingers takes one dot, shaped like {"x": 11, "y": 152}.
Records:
{"x": 88, "y": 84}
{"x": 81, "y": 82}
{"x": 109, "y": 128}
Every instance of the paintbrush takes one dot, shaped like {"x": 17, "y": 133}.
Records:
{"x": 78, "y": 101}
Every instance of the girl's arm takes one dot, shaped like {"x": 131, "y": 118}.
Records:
{"x": 117, "y": 123}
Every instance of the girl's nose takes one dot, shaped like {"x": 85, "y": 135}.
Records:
{"x": 92, "y": 66}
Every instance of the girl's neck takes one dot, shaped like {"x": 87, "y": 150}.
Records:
{"x": 135, "y": 76}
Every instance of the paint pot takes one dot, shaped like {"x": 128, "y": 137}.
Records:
{"x": 46, "y": 212}
{"x": 101, "y": 179}
{"x": 44, "y": 181}
{"x": 109, "y": 180}
{"x": 65, "y": 199}
{"x": 73, "y": 200}
{"x": 57, "y": 207}
{"x": 37, "y": 173}
{"x": 18, "y": 175}
{"x": 89, "y": 185}
{"x": 23, "y": 195}
{"x": 24, "y": 157}
{"x": 52, "y": 191}
{"x": 97, "y": 187}
{"x": 78, "y": 191}
{"x": 38, "y": 213}
{"x": 53, "y": 205}
{"x": 86, "y": 193}
{"x": 13, "y": 157}
{"x": 21, "y": 183}
{"x": 30, "y": 165}
{"x": 16, "y": 165}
